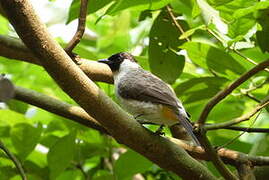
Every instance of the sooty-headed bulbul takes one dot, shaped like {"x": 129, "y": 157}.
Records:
{"x": 146, "y": 96}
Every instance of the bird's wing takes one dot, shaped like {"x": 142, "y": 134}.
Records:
{"x": 141, "y": 85}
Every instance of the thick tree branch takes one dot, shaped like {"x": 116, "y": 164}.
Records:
{"x": 76, "y": 84}
{"x": 58, "y": 107}
{"x": 222, "y": 94}
{"x": 14, "y": 159}
{"x": 13, "y": 48}
{"x": 77, "y": 114}
{"x": 81, "y": 27}
{"x": 228, "y": 156}
{"x": 245, "y": 171}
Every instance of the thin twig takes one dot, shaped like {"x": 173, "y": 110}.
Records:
{"x": 240, "y": 119}
{"x": 247, "y": 129}
{"x": 246, "y": 58}
{"x": 250, "y": 96}
{"x": 241, "y": 134}
{"x": 14, "y": 159}
{"x": 171, "y": 14}
{"x": 80, "y": 29}
{"x": 222, "y": 94}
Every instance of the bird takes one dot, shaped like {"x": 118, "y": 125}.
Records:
{"x": 145, "y": 96}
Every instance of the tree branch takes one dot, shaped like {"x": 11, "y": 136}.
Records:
{"x": 81, "y": 27}
{"x": 76, "y": 84}
{"x": 246, "y": 58}
{"x": 77, "y": 114}
{"x": 222, "y": 94}
{"x": 240, "y": 119}
{"x": 14, "y": 159}
{"x": 215, "y": 158}
{"x": 247, "y": 129}
{"x": 171, "y": 14}
{"x": 228, "y": 156}
{"x": 233, "y": 49}
{"x": 13, "y": 48}
{"x": 245, "y": 171}
{"x": 58, "y": 107}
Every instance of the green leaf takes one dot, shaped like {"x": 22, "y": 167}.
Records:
{"x": 197, "y": 89}
{"x": 234, "y": 107}
{"x": 139, "y": 164}
{"x": 24, "y": 138}
{"x": 197, "y": 52}
{"x": 191, "y": 31}
{"x": 256, "y": 54}
{"x": 17, "y": 106}
{"x": 5, "y": 131}
{"x": 71, "y": 174}
{"x": 163, "y": 45}
{"x": 93, "y": 6}
{"x": 8, "y": 117}
{"x": 262, "y": 36}
{"x": 103, "y": 175}
{"x": 7, "y": 171}
{"x": 182, "y": 6}
{"x": 245, "y": 11}
{"x": 240, "y": 26}
{"x": 212, "y": 58}
{"x": 218, "y": 2}
{"x": 221, "y": 61}
{"x": 61, "y": 154}
{"x": 227, "y": 10}
{"x": 4, "y": 25}
{"x": 139, "y": 5}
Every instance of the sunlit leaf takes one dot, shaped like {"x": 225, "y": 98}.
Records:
{"x": 212, "y": 58}
{"x": 212, "y": 16}
{"x": 140, "y": 5}
{"x": 245, "y": 11}
{"x": 93, "y": 6}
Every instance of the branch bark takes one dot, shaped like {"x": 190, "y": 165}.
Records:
{"x": 81, "y": 27}
{"x": 76, "y": 84}
{"x": 58, "y": 107}
{"x": 13, "y": 48}
{"x": 240, "y": 119}
{"x": 77, "y": 114}
{"x": 222, "y": 94}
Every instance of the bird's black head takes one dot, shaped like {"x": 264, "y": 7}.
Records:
{"x": 115, "y": 60}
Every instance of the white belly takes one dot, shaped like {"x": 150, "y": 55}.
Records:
{"x": 146, "y": 111}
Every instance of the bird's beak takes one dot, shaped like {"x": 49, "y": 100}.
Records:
{"x": 106, "y": 61}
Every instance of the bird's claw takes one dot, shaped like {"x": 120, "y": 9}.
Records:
{"x": 159, "y": 131}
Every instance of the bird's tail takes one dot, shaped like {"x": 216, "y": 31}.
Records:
{"x": 187, "y": 125}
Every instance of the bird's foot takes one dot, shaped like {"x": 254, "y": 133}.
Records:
{"x": 137, "y": 116}
{"x": 159, "y": 131}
